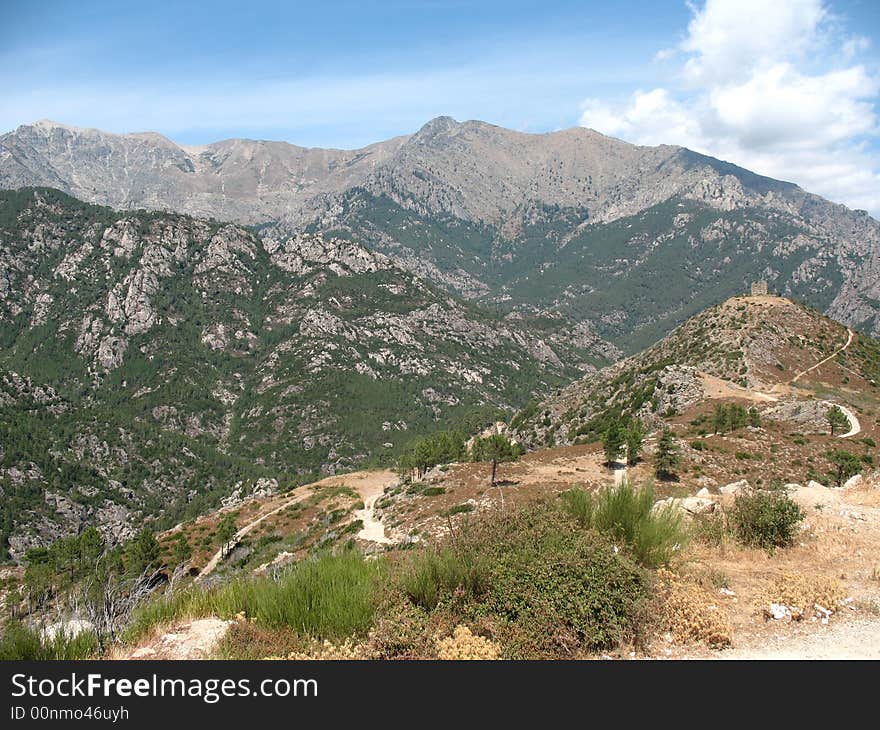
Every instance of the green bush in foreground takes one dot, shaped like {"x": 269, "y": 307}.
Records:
{"x": 434, "y": 574}
{"x": 547, "y": 589}
{"x": 19, "y": 642}
{"x": 328, "y": 596}
{"x": 765, "y": 518}
{"x": 628, "y": 514}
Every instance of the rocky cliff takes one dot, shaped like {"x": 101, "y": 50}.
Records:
{"x": 569, "y": 222}
{"x": 152, "y": 363}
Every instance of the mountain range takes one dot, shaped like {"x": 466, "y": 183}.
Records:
{"x": 178, "y": 324}
{"x": 151, "y": 361}
{"x": 632, "y": 240}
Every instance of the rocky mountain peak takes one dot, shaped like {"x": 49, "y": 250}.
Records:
{"x": 437, "y": 125}
{"x": 492, "y": 212}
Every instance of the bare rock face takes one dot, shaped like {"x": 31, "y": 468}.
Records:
{"x": 498, "y": 181}
{"x": 811, "y": 415}
{"x": 110, "y": 352}
{"x": 678, "y": 388}
{"x": 689, "y": 506}
{"x": 190, "y": 355}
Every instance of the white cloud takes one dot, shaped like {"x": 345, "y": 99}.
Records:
{"x": 774, "y": 87}
{"x": 649, "y": 117}
{"x": 728, "y": 39}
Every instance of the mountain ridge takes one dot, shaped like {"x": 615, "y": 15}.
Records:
{"x": 148, "y": 361}
{"x": 759, "y": 349}
{"x": 568, "y": 223}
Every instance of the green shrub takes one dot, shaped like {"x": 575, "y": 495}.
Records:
{"x": 766, "y": 519}
{"x": 459, "y": 509}
{"x": 425, "y": 490}
{"x": 628, "y": 514}
{"x": 19, "y": 642}
{"x": 327, "y": 596}
{"x": 545, "y": 589}
{"x": 435, "y": 575}
{"x": 558, "y": 589}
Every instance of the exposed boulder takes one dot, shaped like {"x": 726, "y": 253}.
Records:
{"x": 735, "y": 488}
{"x": 853, "y": 481}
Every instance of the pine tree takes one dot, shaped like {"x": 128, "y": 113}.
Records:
{"x": 668, "y": 457}
{"x": 635, "y": 435}
{"x": 182, "y": 549}
{"x": 226, "y": 531}
{"x": 847, "y": 464}
{"x": 142, "y": 553}
{"x": 495, "y": 448}
{"x": 836, "y": 418}
{"x": 91, "y": 548}
{"x": 720, "y": 419}
{"x": 754, "y": 418}
{"x": 612, "y": 441}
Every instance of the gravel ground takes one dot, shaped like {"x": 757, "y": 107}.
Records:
{"x": 857, "y": 638}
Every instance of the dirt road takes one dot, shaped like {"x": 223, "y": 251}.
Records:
{"x": 714, "y": 387}
{"x": 368, "y": 484}
{"x": 849, "y": 340}
{"x": 856, "y": 638}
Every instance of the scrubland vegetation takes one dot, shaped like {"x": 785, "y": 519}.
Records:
{"x": 564, "y": 577}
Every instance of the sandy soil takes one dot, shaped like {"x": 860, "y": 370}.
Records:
{"x": 857, "y": 638}
{"x": 194, "y": 639}
{"x": 714, "y": 387}
{"x": 371, "y": 486}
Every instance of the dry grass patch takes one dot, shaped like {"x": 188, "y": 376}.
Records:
{"x": 691, "y": 613}
{"x": 465, "y": 645}
{"x": 801, "y": 592}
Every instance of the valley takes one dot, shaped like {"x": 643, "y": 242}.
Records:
{"x": 465, "y": 393}
{"x": 721, "y": 596}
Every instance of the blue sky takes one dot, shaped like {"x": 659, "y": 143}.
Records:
{"x": 345, "y": 74}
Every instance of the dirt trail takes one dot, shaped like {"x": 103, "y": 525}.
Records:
{"x": 371, "y": 486}
{"x": 301, "y": 494}
{"x": 849, "y": 340}
{"x": 714, "y": 387}
{"x": 854, "y": 426}
{"x": 366, "y": 483}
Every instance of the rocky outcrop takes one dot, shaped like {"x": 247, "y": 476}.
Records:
{"x": 195, "y": 355}
{"x": 498, "y": 184}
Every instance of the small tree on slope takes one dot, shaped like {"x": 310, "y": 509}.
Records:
{"x": 847, "y": 465}
{"x": 612, "y": 441}
{"x": 495, "y": 448}
{"x": 226, "y": 531}
{"x": 668, "y": 457}
{"x": 836, "y": 419}
{"x": 635, "y": 435}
